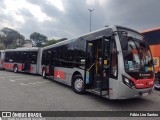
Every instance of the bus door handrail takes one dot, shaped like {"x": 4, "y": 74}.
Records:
{"x": 91, "y": 67}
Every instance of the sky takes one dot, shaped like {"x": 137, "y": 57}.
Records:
{"x": 71, "y": 18}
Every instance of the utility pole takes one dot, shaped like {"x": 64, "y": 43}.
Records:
{"x": 90, "y": 17}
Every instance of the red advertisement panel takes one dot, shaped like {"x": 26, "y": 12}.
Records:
{"x": 59, "y": 74}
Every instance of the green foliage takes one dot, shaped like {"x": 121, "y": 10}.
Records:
{"x": 50, "y": 42}
{"x": 62, "y": 39}
{"x": 53, "y": 41}
{"x": 2, "y": 38}
{"x": 2, "y": 47}
{"x": 38, "y": 39}
{"x": 11, "y": 37}
{"x": 12, "y": 46}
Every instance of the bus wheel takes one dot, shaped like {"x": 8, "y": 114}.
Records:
{"x": 44, "y": 73}
{"x": 78, "y": 84}
{"x": 15, "y": 69}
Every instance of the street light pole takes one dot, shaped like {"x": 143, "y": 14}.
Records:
{"x": 90, "y": 17}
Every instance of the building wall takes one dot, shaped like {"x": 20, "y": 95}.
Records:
{"x": 156, "y": 56}
{"x": 28, "y": 44}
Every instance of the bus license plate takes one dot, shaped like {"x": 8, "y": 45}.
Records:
{"x": 144, "y": 94}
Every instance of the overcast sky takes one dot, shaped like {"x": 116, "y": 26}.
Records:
{"x": 70, "y": 18}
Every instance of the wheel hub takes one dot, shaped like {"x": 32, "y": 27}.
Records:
{"x": 15, "y": 69}
{"x": 43, "y": 73}
{"x": 78, "y": 84}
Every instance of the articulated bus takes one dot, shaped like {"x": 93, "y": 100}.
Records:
{"x": 114, "y": 62}
{"x": 152, "y": 36}
{"x": 22, "y": 60}
{"x": 1, "y": 59}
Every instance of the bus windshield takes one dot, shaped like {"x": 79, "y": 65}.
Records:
{"x": 138, "y": 57}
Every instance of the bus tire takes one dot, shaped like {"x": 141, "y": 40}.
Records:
{"x": 44, "y": 73}
{"x": 15, "y": 69}
{"x": 78, "y": 84}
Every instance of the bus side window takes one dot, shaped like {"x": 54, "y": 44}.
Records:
{"x": 114, "y": 61}
{"x": 7, "y": 56}
{"x": 43, "y": 57}
{"x": 34, "y": 57}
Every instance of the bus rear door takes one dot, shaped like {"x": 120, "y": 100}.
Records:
{"x": 25, "y": 61}
{"x": 51, "y": 63}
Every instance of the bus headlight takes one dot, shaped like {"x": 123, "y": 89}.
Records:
{"x": 128, "y": 82}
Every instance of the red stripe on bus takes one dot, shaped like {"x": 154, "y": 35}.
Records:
{"x": 8, "y": 66}
{"x": 47, "y": 70}
{"x": 59, "y": 74}
{"x": 41, "y": 71}
{"x": 2, "y": 62}
{"x": 19, "y": 67}
{"x": 143, "y": 83}
{"x": 31, "y": 68}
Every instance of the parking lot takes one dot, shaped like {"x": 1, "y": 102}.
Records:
{"x": 25, "y": 92}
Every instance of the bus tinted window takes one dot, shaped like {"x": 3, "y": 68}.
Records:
{"x": 65, "y": 56}
{"x": 20, "y": 56}
{"x": 6, "y": 57}
{"x": 81, "y": 52}
{"x": 114, "y": 61}
{"x": 44, "y": 57}
{"x": 32, "y": 57}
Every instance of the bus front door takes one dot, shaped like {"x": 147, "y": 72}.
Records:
{"x": 97, "y": 66}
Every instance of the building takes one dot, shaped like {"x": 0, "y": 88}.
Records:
{"x": 152, "y": 36}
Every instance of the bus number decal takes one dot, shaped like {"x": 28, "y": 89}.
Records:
{"x": 59, "y": 74}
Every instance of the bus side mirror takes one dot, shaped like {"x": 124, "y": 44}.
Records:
{"x": 124, "y": 42}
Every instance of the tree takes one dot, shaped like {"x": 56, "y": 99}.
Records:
{"x": 21, "y": 40}
{"x": 62, "y": 39}
{"x": 50, "y": 42}
{"x": 2, "y": 38}
{"x": 11, "y": 37}
{"x": 38, "y": 39}
{"x": 2, "y": 47}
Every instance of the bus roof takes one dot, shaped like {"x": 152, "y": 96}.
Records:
{"x": 23, "y": 49}
{"x": 74, "y": 39}
{"x": 114, "y": 28}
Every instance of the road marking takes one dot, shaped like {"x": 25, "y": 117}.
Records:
{"x": 34, "y": 83}
{"x": 12, "y": 77}
{"x": 23, "y": 79}
{"x": 12, "y": 80}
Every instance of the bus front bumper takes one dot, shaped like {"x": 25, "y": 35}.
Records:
{"x": 125, "y": 92}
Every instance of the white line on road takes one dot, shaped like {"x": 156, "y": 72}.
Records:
{"x": 23, "y": 79}
{"x": 12, "y": 80}
{"x": 34, "y": 83}
{"x": 12, "y": 77}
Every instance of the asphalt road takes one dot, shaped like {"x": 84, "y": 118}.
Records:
{"x": 25, "y": 92}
